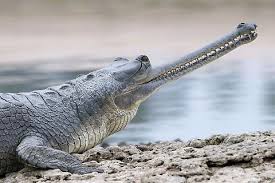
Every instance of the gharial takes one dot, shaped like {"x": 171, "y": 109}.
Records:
{"x": 43, "y": 127}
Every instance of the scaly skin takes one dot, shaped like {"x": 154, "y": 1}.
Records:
{"x": 43, "y": 127}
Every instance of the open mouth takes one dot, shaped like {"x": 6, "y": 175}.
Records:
{"x": 207, "y": 54}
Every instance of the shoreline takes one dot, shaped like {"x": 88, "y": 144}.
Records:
{"x": 220, "y": 158}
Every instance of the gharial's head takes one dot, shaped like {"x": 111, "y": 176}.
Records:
{"x": 126, "y": 79}
{"x": 138, "y": 80}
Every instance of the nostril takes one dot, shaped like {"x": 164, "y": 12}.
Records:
{"x": 255, "y": 26}
{"x": 240, "y": 25}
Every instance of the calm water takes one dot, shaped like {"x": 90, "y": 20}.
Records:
{"x": 45, "y": 43}
{"x": 230, "y": 96}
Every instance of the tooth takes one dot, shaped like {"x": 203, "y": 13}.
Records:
{"x": 226, "y": 45}
{"x": 209, "y": 54}
{"x": 213, "y": 52}
{"x": 222, "y": 47}
{"x": 218, "y": 49}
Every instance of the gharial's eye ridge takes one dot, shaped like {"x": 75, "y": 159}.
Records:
{"x": 143, "y": 58}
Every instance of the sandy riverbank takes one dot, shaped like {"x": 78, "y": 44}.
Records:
{"x": 220, "y": 158}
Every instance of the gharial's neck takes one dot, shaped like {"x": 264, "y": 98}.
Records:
{"x": 119, "y": 119}
{"x": 96, "y": 107}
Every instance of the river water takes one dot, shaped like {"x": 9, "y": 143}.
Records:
{"x": 45, "y": 43}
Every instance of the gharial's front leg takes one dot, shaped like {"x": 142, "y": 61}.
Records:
{"x": 34, "y": 151}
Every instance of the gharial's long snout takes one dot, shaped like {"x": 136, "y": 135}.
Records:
{"x": 243, "y": 33}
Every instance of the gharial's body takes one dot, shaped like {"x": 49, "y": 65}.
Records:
{"x": 41, "y": 128}
{"x": 71, "y": 117}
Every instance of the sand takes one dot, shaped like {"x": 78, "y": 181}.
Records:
{"x": 220, "y": 158}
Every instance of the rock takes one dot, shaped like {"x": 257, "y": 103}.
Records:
{"x": 220, "y": 158}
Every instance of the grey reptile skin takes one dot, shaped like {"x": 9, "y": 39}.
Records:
{"x": 43, "y": 127}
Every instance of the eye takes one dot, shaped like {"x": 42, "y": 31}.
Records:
{"x": 143, "y": 58}
{"x": 120, "y": 59}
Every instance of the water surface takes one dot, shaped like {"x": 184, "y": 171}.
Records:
{"x": 46, "y": 43}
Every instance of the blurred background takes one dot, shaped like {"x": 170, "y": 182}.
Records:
{"x": 46, "y": 42}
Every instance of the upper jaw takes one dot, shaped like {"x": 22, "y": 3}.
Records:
{"x": 246, "y": 33}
